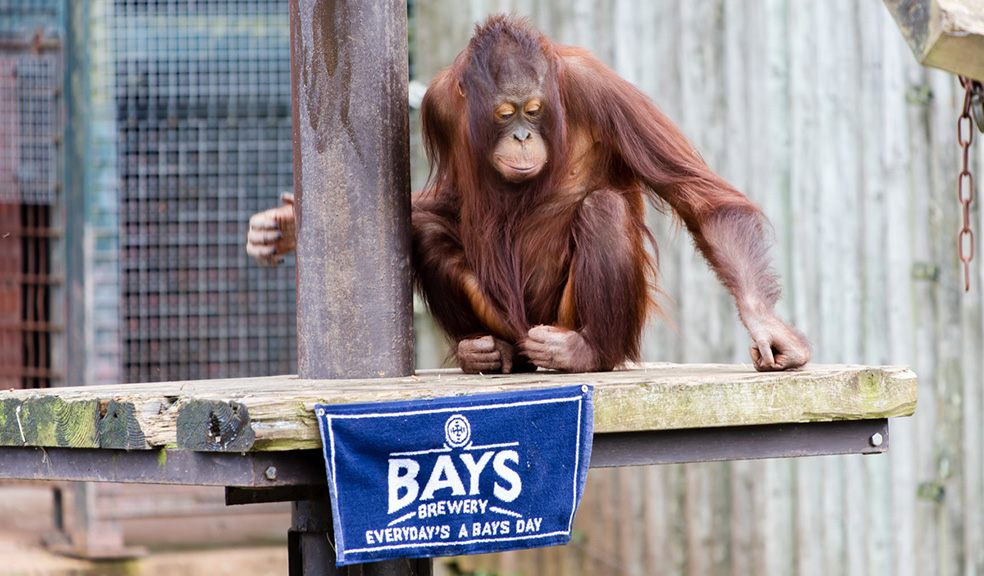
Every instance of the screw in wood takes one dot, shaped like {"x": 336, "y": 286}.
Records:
{"x": 270, "y": 473}
{"x": 876, "y": 439}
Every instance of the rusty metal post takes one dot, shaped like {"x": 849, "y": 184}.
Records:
{"x": 352, "y": 186}
{"x": 352, "y": 192}
{"x": 308, "y": 552}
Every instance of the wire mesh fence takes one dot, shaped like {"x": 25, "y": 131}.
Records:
{"x": 202, "y": 92}
{"x": 31, "y": 118}
{"x": 20, "y": 15}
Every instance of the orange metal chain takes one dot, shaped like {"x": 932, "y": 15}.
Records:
{"x": 965, "y": 180}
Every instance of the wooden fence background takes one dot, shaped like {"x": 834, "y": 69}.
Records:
{"x": 819, "y": 112}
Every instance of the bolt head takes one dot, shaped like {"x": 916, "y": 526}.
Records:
{"x": 876, "y": 439}
{"x": 271, "y": 473}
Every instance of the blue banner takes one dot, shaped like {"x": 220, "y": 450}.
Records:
{"x": 462, "y": 475}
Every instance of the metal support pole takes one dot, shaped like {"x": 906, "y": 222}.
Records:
{"x": 352, "y": 192}
{"x": 309, "y": 540}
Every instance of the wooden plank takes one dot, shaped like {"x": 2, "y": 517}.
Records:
{"x": 47, "y": 420}
{"x": 891, "y": 542}
{"x": 885, "y": 523}
{"x": 923, "y": 543}
{"x": 708, "y": 328}
{"x": 764, "y": 488}
{"x": 949, "y": 512}
{"x": 275, "y": 413}
{"x": 947, "y": 34}
{"x": 857, "y": 112}
{"x": 629, "y": 499}
{"x": 973, "y": 420}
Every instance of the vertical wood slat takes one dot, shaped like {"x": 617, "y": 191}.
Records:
{"x": 807, "y": 102}
{"x": 922, "y": 330}
{"x": 820, "y": 114}
{"x": 948, "y": 340}
{"x": 775, "y": 553}
{"x": 894, "y": 530}
{"x": 974, "y": 413}
{"x": 699, "y": 120}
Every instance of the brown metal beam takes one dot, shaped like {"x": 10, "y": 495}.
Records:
{"x": 305, "y": 468}
{"x": 37, "y": 43}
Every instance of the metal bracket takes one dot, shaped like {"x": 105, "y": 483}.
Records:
{"x": 740, "y": 443}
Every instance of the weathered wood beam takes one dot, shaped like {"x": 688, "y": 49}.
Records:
{"x": 275, "y": 413}
{"x": 947, "y": 34}
{"x": 352, "y": 186}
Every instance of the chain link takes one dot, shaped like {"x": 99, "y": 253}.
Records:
{"x": 965, "y": 180}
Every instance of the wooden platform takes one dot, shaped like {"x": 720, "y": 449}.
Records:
{"x": 946, "y": 34}
{"x": 275, "y": 413}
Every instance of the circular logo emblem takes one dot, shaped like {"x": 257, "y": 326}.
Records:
{"x": 457, "y": 431}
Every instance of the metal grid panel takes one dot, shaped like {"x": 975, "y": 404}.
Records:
{"x": 9, "y": 130}
{"x": 31, "y": 133}
{"x": 30, "y": 14}
{"x": 203, "y": 111}
{"x": 26, "y": 281}
{"x": 10, "y": 298}
{"x": 31, "y": 120}
{"x": 30, "y": 126}
{"x": 37, "y": 281}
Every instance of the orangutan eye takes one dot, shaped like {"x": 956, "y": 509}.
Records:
{"x": 505, "y": 111}
{"x": 533, "y": 108}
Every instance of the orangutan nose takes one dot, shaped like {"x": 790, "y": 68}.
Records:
{"x": 522, "y": 134}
